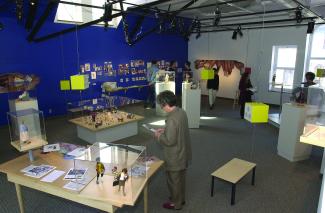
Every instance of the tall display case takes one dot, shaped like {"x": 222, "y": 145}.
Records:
{"x": 27, "y": 129}
{"x": 125, "y": 171}
{"x": 314, "y": 128}
{"x": 191, "y": 103}
{"x": 165, "y": 80}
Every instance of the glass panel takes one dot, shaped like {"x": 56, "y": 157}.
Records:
{"x": 315, "y": 64}
{"x": 70, "y": 13}
{"x": 287, "y": 57}
{"x": 318, "y": 46}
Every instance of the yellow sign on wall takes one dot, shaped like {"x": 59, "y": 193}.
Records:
{"x": 65, "y": 85}
{"x": 320, "y": 73}
{"x": 256, "y": 112}
{"x": 79, "y": 82}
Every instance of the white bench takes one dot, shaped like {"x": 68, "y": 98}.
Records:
{"x": 232, "y": 172}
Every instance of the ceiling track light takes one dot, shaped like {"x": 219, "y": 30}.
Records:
{"x": 108, "y": 9}
{"x": 298, "y": 13}
{"x": 239, "y": 31}
{"x": 198, "y": 28}
{"x": 234, "y": 35}
{"x": 310, "y": 27}
{"x": 217, "y": 16}
{"x": 1, "y": 26}
{"x": 19, "y": 10}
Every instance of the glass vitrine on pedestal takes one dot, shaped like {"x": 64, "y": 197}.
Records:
{"x": 124, "y": 170}
{"x": 27, "y": 129}
{"x": 314, "y": 129}
{"x": 165, "y": 80}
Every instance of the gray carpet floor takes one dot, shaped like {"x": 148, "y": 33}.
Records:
{"x": 281, "y": 186}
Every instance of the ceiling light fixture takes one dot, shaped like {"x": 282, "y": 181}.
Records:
{"x": 1, "y": 26}
{"x": 108, "y": 9}
{"x": 239, "y": 31}
{"x": 217, "y": 16}
{"x": 198, "y": 28}
{"x": 310, "y": 27}
{"x": 234, "y": 35}
{"x": 299, "y": 14}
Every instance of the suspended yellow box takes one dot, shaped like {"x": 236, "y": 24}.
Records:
{"x": 65, "y": 85}
{"x": 79, "y": 82}
{"x": 207, "y": 74}
{"x": 256, "y": 112}
{"x": 320, "y": 73}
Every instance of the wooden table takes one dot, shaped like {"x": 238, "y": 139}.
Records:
{"x": 232, "y": 172}
{"x": 12, "y": 169}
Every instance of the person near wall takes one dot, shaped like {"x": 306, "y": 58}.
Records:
{"x": 151, "y": 78}
{"x": 213, "y": 87}
{"x": 176, "y": 143}
{"x": 245, "y": 92}
{"x": 172, "y": 66}
{"x": 300, "y": 94}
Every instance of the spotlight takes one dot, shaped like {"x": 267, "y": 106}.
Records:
{"x": 239, "y": 31}
{"x": 217, "y": 16}
{"x": 198, "y": 29}
{"x": 310, "y": 27}
{"x": 1, "y": 26}
{"x": 19, "y": 10}
{"x": 299, "y": 15}
{"x": 234, "y": 35}
{"x": 108, "y": 8}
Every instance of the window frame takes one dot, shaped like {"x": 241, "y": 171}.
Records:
{"x": 274, "y": 67}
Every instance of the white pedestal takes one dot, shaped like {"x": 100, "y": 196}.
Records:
{"x": 16, "y": 105}
{"x": 191, "y": 103}
{"x": 291, "y": 128}
{"x": 109, "y": 134}
{"x": 160, "y": 87}
{"x": 321, "y": 202}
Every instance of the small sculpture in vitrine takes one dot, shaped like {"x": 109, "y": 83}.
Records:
{"x": 130, "y": 116}
{"x": 100, "y": 169}
{"x": 122, "y": 179}
{"x": 23, "y": 133}
{"x": 93, "y": 116}
{"x": 116, "y": 176}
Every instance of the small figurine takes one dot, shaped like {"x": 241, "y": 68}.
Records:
{"x": 166, "y": 78}
{"x": 23, "y": 133}
{"x": 93, "y": 116}
{"x": 100, "y": 169}
{"x": 130, "y": 116}
{"x": 123, "y": 177}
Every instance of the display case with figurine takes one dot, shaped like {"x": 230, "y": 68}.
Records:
{"x": 116, "y": 172}
{"x": 314, "y": 129}
{"x": 26, "y": 129}
{"x": 165, "y": 80}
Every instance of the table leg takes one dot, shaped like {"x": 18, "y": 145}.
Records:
{"x": 212, "y": 186}
{"x": 253, "y": 176}
{"x": 19, "y": 197}
{"x": 145, "y": 198}
{"x": 233, "y": 193}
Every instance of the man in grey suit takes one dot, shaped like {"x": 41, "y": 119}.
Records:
{"x": 176, "y": 143}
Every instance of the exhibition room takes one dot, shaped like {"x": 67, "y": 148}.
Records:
{"x": 160, "y": 105}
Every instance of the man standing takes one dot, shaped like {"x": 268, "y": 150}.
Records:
{"x": 176, "y": 143}
{"x": 151, "y": 78}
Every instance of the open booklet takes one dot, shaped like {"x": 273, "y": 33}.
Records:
{"x": 149, "y": 128}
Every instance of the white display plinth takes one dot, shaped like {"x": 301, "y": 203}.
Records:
{"x": 17, "y": 105}
{"x": 160, "y": 87}
{"x": 109, "y": 134}
{"x": 191, "y": 103}
{"x": 291, "y": 128}
{"x": 321, "y": 207}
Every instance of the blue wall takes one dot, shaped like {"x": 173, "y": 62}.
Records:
{"x": 57, "y": 59}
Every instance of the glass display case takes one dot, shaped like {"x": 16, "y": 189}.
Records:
{"x": 165, "y": 76}
{"x": 314, "y": 129}
{"x": 165, "y": 80}
{"x": 26, "y": 129}
{"x": 117, "y": 171}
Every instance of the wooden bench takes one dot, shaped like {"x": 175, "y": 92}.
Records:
{"x": 233, "y": 172}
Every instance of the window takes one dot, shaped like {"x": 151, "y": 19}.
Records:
{"x": 315, "y": 57}
{"x": 283, "y": 67}
{"x": 74, "y": 14}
